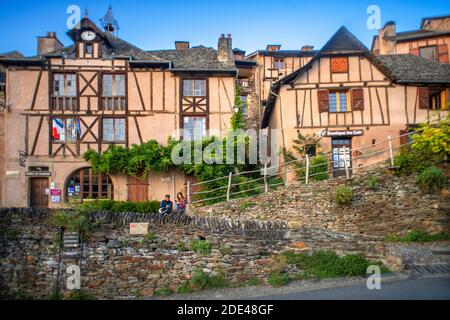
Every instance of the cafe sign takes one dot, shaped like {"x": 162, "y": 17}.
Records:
{"x": 340, "y": 133}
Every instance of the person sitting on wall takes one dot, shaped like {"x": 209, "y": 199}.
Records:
{"x": 166, "y": 206}
{"x": 181, "y": 204}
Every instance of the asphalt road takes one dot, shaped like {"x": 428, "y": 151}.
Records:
{"x": 408, "y": 289}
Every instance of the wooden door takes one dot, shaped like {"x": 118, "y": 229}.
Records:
{"x": 341, "y": 154}
{"x": 38, "y": 194}
{"x": 137, "y": 190}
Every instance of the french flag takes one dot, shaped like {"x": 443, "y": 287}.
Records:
{"x": 58, "y": 128}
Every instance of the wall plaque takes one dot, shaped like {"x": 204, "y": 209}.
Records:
{"x": 138, "y": 229}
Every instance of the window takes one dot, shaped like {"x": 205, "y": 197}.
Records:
{"x": 65, "y": 130}
{"x": 194, "y": 88}
{"x": 114, "y": 129}
{"x": 430, "y": 53}
{"x": 194, "y": 128}
{"x": 278, "y": 64}
{"x": 113, "y": 85}
{"x": 89, "y": 49}
{"x": 84, "y": 184}
{"x": 339, "y": 101}
{"x": 65, "y": 85}
{"x": 244, "y": 104}
{"x": 439, "y": 100}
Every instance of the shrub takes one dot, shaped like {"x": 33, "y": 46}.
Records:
{"x": 163, "y": 292}
{"x": 431, "y": 180}
{"x": 181, "y": 246}
{"x": 372, "y": 182}
{"x": 353, "y": 265}
{"x": 71, "y": 220}
{"x": 201, "y": 246}
{"x": 319, "y": 168}
{"x": 343, "y": 195}
{"x": 410, "y": 161}
{"x": 277, "y": 279}
{"x": 200, "y": 280}
{"x": 121, "y": 206}
{"x": 185, "y": 287}
{"x": 433, "y": 139}
{"x": 81, "y": 295}
{"x": 418, "y": 236}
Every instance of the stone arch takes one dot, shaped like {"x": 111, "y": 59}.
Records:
{"x": 83, "y": 183}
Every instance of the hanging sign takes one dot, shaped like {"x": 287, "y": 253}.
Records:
{"x": 340, "y": 133}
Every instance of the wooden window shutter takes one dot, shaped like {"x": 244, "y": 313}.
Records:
{"x": 357, "y": 99}
{"x": 414, "y": 51}
{"x": 324, "y": 100}
{"x": 443, "y": 53}
{"x": 424, "y": 98}
{"x": 339, "y": 65}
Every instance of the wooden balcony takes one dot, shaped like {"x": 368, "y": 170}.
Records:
{"x": 64, "y": 103}
{"x": 114, "y": 103}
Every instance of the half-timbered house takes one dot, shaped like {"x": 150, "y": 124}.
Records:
{"x": 352, "y": 98}
{"x": 103, "y": 91}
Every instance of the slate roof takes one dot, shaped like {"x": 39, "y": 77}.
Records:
{"x": 285, "y": 53}
{"x": 417, "y": 34}
{"x": 343, "y": 41}
{"x": 12, "y": 54}
{"x": 408, "y": 68}
{"x": 195, "y": 58}
{"x": 432, "y": 18}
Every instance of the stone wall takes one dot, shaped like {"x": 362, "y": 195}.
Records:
{"x": 117, "y": 265}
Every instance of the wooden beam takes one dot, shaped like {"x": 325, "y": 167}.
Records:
{"x": 139, "y": 91}
{"x": 36, "y": 90}
{"x": 36, "y": 138}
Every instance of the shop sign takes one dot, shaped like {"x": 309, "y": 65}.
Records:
{"x": 340, "y": 133}
{"x": 38, "y": 174}
{"x": 55, "y": 196}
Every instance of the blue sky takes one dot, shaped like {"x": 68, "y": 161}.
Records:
{"x": 156, "y": 24}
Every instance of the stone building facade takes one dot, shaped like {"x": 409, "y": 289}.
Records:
{"x": 351, "y": 99}
{"x": 431, "y": 41}
{"x": 103, "y": 91}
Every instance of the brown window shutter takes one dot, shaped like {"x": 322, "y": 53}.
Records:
{"x": 424, "y": 98}
{"x": 357, "y": 99}
{"x": 403, "y": 137}
{"x": 443, "y": 53}
{"x": 414, "y": 51}
{"x": 324, "y": 100}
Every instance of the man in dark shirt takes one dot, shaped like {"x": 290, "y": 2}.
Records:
{"x": 166, "y": 206}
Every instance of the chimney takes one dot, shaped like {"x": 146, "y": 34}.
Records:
{"x": 224, "y": 49}
{"x": 182, "y": 45}
{"x": 273, "y": 47}
{"x": 307, "y": 48}
{"x": 48, "y": 44}
{"x": 386, "y": 38}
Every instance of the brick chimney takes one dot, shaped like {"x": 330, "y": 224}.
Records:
{"x": 307, "y": 48}
{"x": 49, "y": 43}
{"x": 182, "y": 45}
{"x": 386, "y": 38}
{"x": 225, "y": 48}
{"x": 273, "y": 47}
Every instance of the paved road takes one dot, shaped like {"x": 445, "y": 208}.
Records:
{"x": 409, "y": 289}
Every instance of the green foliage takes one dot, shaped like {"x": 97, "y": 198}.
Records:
{"x": 201, "y": 280}
{"x": 246, "y": 205}
{"x": 319, "y": 168}
{"x": 163, "y": 292}
{"x": 225, "y": 250}
{"x": 151, "y": 236}
{"x": 372, "y": 182}
{"x": 81, "y": 295}
{"x": 237, "y": 120}
{"x": 120, "y": 206}
{"x": 185, "y": 287}
{"x": 410, "y": 161}
{"x": 418, "y": 236}
{"x": 72, "y": 221}
{"x": 10, "y": 233}
{"x": 431, "y": 180}
{"x": 327, "y": 264}
{"x": 278, "y": 279}
{"x": 434, "y": 139}
{"x": 343, "y": 195}
{"x": 201, "y": 246}
{"x": 181, "y": 246}
{"x": 136, "y": 161}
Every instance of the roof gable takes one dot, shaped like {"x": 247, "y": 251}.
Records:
{"x": 343, "y": 41}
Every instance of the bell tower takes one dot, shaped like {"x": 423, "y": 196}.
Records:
{"x": 109, "y": 23}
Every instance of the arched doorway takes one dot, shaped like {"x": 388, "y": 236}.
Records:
{"x": 85, "y": 184}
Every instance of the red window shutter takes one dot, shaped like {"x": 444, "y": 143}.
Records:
{"x": 443, "y": 53}
{"x": 414, "y": 51}
{"x": 424, "y": 98}
{"x": 324, "y": 100}
{"x": 357, "y": 99}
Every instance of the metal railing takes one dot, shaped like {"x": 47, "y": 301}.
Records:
{"x": 373, "y": 156}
